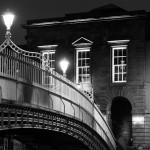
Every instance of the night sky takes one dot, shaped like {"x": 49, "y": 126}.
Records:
{"x": 40, "y": 9}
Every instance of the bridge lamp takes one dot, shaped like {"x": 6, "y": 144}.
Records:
{"x": 64, "y": 66}
{"x": 8, "y": 21}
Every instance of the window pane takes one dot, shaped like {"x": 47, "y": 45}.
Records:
{"x": 79, "y": 55}
{"x": 120, "y": 69}
{"x": 120, "y": 77}
{"x": 124, "y": 59}
{"x": 115, "y": 52}
{"x": 52, "y": 65}
{"x": 88, "y": 71}
{"x": 88, "y": 62}
{"x": 115, "y": 61}
{"x": 120, "y": 59}
{"x": 84, "y": 70}
{"x": 124, "y": 77}
{"x": 80, "y": 71}
{"x": 116, "y": 77}
{"x": 88, "y": 54}
{"x": 53, "y": 57}
{"x": 85, "y": 54}
{"x": 83, "y": 62}
{"x": 49, "y": 57}
{"x": 45, "y": 55}
{"x": 79, "y": 63}
{"x": 120, "y": 52}
{"x": 124, "y": 52}
{"x": 116, "y": 69}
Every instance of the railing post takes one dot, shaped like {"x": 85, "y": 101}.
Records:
{"x": 81, "y": 113}
{"x": 51, "y": 100}
{"x": 62, "y": 103}
{"x": 73, "y": 109}
{"x": 61, "y": 87}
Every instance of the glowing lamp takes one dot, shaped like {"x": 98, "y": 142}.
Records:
{"x": 137, "y": 120}
{"x": 8, "y": 21}
{"x": 64, "y": 66}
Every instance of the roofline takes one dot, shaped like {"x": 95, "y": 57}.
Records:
{"x": 76, "y": 21}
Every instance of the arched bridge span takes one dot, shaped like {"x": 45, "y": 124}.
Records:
{"x": 16, "y": 119}
{"x": 37, "y": 98}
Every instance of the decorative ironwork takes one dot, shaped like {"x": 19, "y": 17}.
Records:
{"x": 9, "y": 42}
{"x": 16, "y": 116}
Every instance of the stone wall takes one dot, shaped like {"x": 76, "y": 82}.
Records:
{"x": 105, "y": 91}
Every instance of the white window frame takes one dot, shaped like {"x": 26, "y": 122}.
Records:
{"x": 82, "y": 44}
{"x": 47, "y": 64}
{"x": 121, "y": 67}
{"x": 119, "y": 44}
{"x": 78, "y": 50}
{"x": 50, "y": 62}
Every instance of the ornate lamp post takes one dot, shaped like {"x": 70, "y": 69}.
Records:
{"x": 64, "y": 66}
{"x": 8, "y": 21}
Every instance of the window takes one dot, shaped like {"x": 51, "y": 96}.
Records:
{"x": 119, "y": 64}
{"x": 82, "y": 47}
{"x": 83, "y": 65}
{"x": 119, "y": 60}
{"x": 48, "y": 63}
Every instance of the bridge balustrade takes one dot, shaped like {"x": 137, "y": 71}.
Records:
{"x": 26, "y": 67}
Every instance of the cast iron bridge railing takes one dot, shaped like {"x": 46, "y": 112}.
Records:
{"x": 24, "y": 83}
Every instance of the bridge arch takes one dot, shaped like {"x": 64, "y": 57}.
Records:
{"x": 16, "y": 119}
{"x": 38, "y": 138}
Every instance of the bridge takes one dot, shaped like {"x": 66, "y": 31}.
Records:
{"x": 42, "y": 109}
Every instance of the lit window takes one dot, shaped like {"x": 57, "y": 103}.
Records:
{"x": 48, "y": 61}
{"x": 82, "y": 46}
{"x": 119, "y": 60}
{"x": 83, "y": 65}
{"x": 119, "y": 64}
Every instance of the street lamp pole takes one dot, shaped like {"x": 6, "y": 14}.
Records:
{"x": 8, "y": 21}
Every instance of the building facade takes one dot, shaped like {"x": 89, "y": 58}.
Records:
{"x": 108, "y": 49}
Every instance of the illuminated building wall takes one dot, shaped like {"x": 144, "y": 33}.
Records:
{"x": 109, "y": 53}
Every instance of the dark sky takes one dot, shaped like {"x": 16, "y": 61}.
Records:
{"x": 39, "y": 9}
